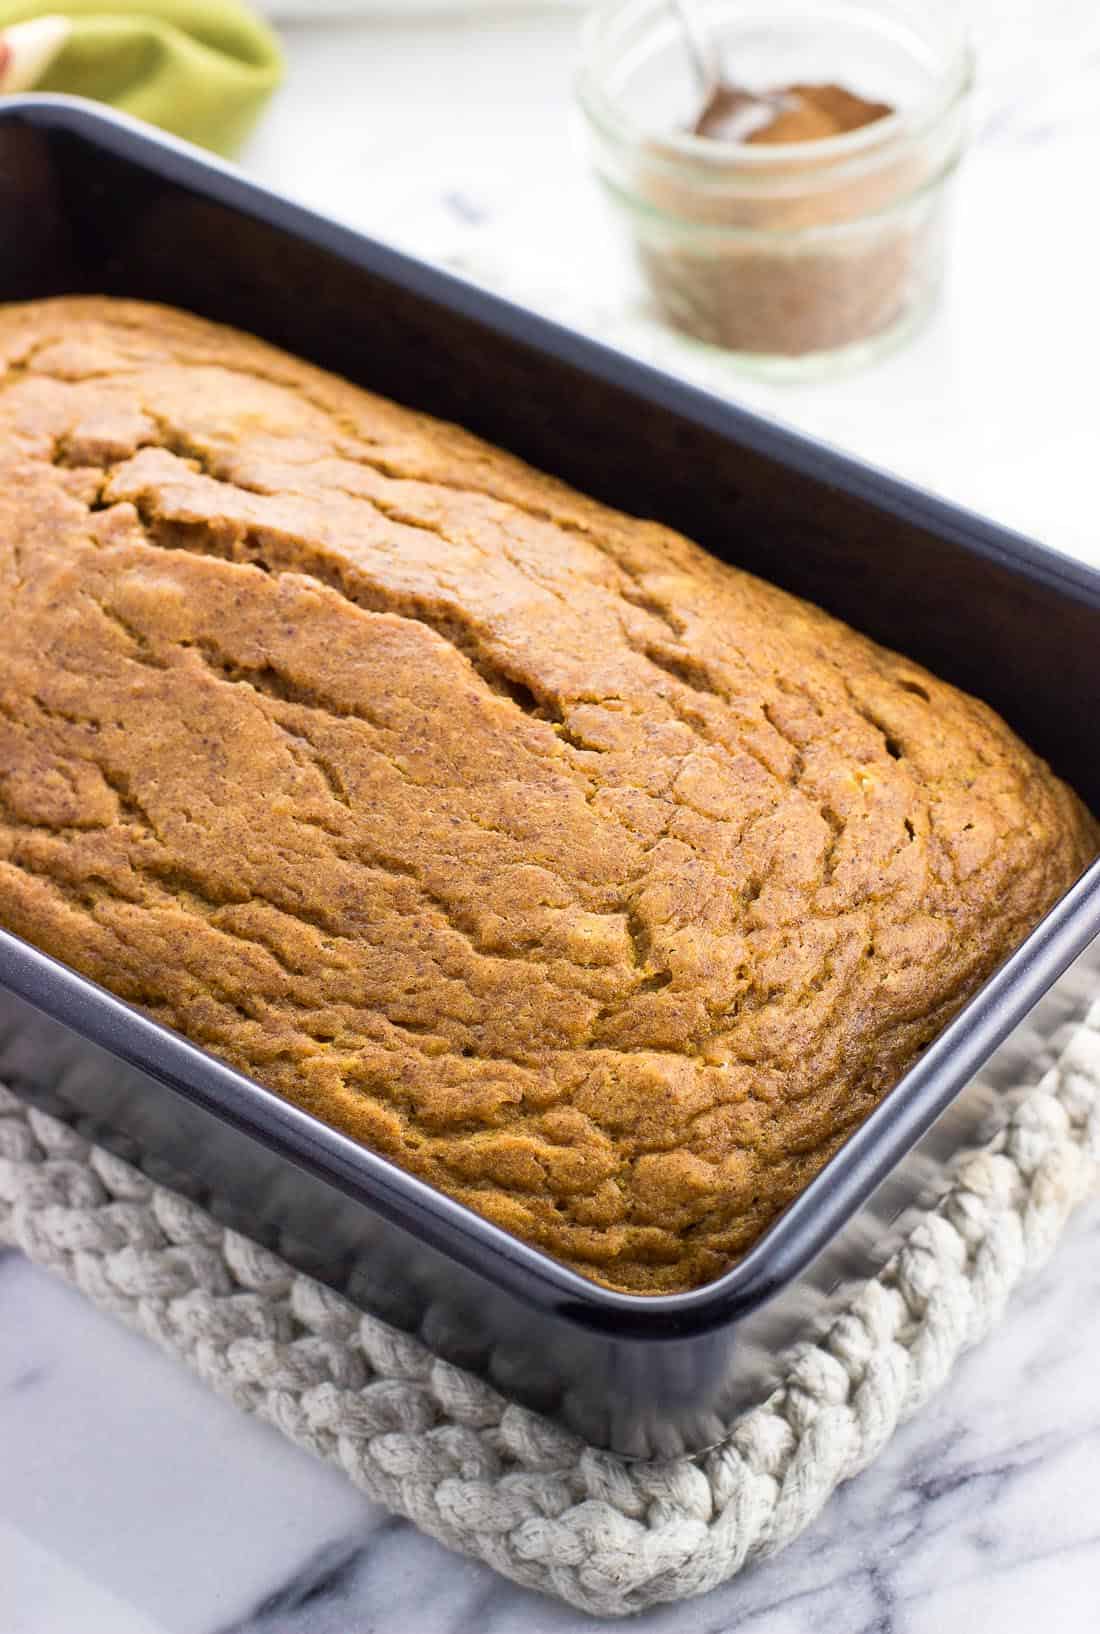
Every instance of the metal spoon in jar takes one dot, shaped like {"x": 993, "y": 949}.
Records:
{"x": 729, "y": 113}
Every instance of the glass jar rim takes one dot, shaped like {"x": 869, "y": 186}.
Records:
{"x": 682, "y": 148}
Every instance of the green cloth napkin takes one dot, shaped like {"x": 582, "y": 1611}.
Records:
{"x": 202, "y": 69}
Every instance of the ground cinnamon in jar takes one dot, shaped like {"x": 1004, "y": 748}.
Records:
{"x": 803, "y": 113}
{"x": 808, "y": 262}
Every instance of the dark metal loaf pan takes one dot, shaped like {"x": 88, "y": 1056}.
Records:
{"x": 91, "y": 202}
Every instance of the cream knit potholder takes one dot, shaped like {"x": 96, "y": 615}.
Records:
{"x": 496, "y": 1481}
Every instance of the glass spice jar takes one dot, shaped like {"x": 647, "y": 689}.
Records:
{"x": 795, "y": 257}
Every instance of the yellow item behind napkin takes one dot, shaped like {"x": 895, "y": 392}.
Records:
{"x": 202, "y": 69}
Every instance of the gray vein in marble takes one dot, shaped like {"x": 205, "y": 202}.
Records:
{"x": 319, "y": 1582}
{"x": 465, "y": 209}
{"x": 25, "y": 1380}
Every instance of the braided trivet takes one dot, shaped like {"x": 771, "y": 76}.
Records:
{"x": 498, "y": 1482}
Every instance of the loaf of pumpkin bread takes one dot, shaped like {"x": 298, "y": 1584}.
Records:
{"x": 602, "y": 886}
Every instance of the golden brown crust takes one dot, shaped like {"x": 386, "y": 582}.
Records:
{"x": 602, "y": 886}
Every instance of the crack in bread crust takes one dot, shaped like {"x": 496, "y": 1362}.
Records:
{"x": 599, "y": 884}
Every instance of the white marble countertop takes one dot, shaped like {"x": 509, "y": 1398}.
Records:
{"x": 132, "y": 1501}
